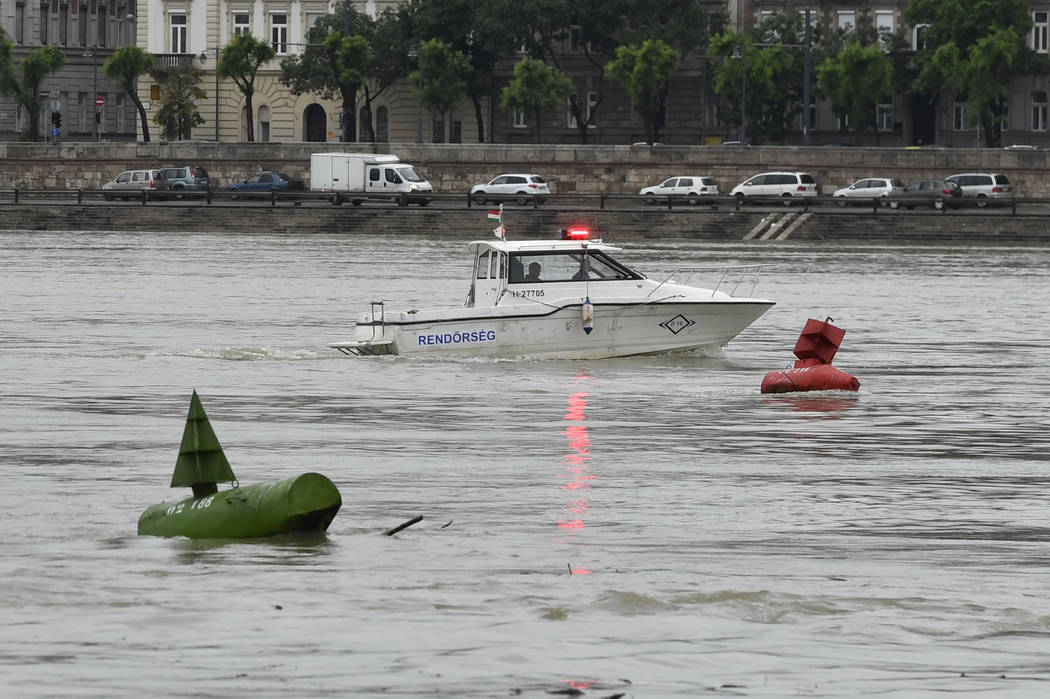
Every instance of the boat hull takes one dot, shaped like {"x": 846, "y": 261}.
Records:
{"x": 304, "y": 503}
{"x": 558, "y": 333}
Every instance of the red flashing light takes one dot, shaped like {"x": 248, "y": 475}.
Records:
{"x": 575, "y": 234}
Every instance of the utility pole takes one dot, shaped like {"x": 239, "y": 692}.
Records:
{"x": 806, "y": 125}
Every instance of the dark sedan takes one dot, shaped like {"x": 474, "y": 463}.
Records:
{"x": 267, "y": 182}
{"x": 935, "y": 193}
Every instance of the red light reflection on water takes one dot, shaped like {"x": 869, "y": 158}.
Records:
{"x": 576, "y": 478}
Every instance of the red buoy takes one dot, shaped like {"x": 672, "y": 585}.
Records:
{"x": 815, "y": 349}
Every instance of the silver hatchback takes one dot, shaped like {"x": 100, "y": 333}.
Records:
{"x": 133, "y": 183}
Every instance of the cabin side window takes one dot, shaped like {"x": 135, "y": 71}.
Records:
{"x": 526, "y": 268}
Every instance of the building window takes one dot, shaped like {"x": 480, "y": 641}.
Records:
{"x": 456, "y": 133}
{"x": 841, "y": 122}
{"x": 918, "y": 37}
{"x": 382, "y": 125}
{"x": 1038, "y": 111}
{"x": 1004, "y": 116}
{"x": 242, "y": 23}
{"x": 102, "y": 20}
{"x": 884, "y": 26}
{"x": 279, "y": 32}
{"x": 847, "y": 20}
{"x": 575, "y": 42}
{"x": 82, "y": 22}
{"x": 20, "y": 23}
{"x": 45, "y": 21}
{"x": 959, "y": 116}
{"x": 520, "y": 122}
{"x": 592, "y": 102}
{"x": 63, "y": 25}
{"x": 884, "y": 117}
{"x": 438, "y": 129}
{"x": 264, "y": 124}
{"x": 177, "y": 21}
{"x": 311, "y": 19}
{"x": 1041, "y": 19}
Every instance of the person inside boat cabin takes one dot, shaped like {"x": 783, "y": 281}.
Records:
{"x": 534, "y": 272}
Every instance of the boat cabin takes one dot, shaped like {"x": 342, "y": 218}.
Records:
{"x": 522, "y": 267}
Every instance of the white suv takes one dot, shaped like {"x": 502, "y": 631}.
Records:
{"x": 869, "y": 189}
{"x": 521, "y": 188}
{"x": 684, "y": 186}
{"x": 983, "y": 186}
{"x": 786, "y": 185}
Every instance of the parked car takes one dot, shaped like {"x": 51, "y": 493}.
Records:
{"x": 266, "y": 182}
{"x": 935, "y": 193}
{"x": 786, "y": 185}
{"x": 868, "y": 189}
{"x": 986, "y": 188}
{"x": 187, "y": 178}
{"x": 521, "y": 188}
{"x": 690, "y": 187}
{"x": 132, "y": 183}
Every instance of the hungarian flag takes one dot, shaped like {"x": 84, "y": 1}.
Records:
{"x": 494, "y": 216}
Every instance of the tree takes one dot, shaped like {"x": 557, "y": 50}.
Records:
{"x": 178, "y": 102}
{"x": 645, "y": 71}
{"x": 240, "y": 61}
{"x": 973, "y": 49}
{"x": 124, "y": 68}
{"x": 317, "y": 70}
{"x": 535, "y": 87}
{"x": 856, "y": 81}
{"x": 36, "y": 66}
{"x": 334, "y": 64}
{"x": 444, "y": 77}
{"x": 485, "y": 31}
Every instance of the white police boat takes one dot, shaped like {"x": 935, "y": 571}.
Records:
{"x": 564, "y": 298}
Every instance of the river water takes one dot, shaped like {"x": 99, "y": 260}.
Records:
{"x": 644, "y": 527}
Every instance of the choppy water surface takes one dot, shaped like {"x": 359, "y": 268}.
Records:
{"x": 651, "y": 527}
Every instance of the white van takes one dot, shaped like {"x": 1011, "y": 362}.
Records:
{"x": 785, "y": 185}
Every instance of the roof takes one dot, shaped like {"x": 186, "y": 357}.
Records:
{"x": 552, "y": 245}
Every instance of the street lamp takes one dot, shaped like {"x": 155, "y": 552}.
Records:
{"x": 739, "y": 54}
{"x": 203, "y": 59}
{"x": 806, "y": 116}
{"x": 413, "y": 53}
{"x": 92, "y": 53}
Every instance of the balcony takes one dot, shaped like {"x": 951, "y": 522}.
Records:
{"x": 167, "y": 61}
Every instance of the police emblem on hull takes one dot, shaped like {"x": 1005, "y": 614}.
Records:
{"x": 677, "y": 324}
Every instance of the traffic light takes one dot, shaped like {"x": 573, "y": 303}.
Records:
{"x": 56, "y": 118}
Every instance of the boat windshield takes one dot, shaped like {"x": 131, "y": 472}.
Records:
{"x": 532, "y": 267}
{"x": 409, "y": 173}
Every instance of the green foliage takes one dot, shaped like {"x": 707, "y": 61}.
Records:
{"x": 36, "y": 66}
{"x": 535, "y": 87}
{"x": 973, "y": 49}
{"x": 645, "y": 72}
{"x": 240, "y": 61}
{"x": 855, "y": 81}
{"x": 444, "y": 74}
{"x": 178, "y": 112}
{"x": 370, "y": 59}
{"x": 124, "y": 68}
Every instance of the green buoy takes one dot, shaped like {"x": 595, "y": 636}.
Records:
{"x": 304, "y": 503}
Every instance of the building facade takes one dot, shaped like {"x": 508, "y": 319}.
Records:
{"x": 193, "y": 32}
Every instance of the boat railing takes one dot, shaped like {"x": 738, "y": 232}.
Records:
{"x": 728, "y": 276}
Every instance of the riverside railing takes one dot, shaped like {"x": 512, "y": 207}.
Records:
{"x": 563, "y": 201}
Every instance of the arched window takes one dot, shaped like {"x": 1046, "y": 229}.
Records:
{"x": 382, "y": 125}
{"x": 264, "y": 124}
{"x": 315, "y": 124}
{"x": 244, "y": 123}
{"x": 1038, "y": 110}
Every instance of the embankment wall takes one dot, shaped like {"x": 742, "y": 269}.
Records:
{"x": 826, "y": 224}
{"x": 456, "y": 167}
